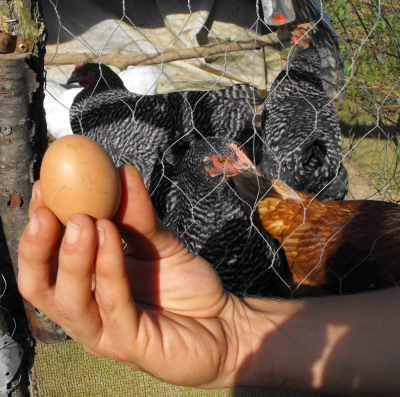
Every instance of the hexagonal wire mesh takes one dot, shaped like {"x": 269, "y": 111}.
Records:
{"x": 221, "y": 50}
{"x": 197, "y": 77}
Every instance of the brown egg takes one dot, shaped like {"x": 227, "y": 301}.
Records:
{"x": 78, "y": 176}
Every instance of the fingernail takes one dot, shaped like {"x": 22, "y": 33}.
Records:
{"x": 101, "y": 235}
{"x": 72, "y": 233}
{"x": 34, "y": 225}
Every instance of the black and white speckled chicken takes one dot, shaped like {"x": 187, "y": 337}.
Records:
{"x": 301, "y": 133}
{"x": 132, "y": 128}
{"x": 209, "y": 218}
{"x": 325, "y": 39}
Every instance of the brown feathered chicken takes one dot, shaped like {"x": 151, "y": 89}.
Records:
{"x": 334, "y": 247}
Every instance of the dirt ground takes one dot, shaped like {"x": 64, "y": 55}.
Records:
{"x": 362, "y": 188}
{"x": 359, "y": 186}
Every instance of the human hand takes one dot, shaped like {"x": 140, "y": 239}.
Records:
{"x": 157, "y": 307}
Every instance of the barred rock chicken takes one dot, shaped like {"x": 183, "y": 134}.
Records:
{"x": 301, "y": 132}
{"x": 325, "y": 39}
{"x": 209, "y": 218}
{"x": 132, "y": 128}
{"x": 331, "y": 247}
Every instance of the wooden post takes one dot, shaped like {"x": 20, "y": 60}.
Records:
{"x": 23, "y": 132}
{"x": 23, "y": 141}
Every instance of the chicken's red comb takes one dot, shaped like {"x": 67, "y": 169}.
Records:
{"x": 78, "y": 65}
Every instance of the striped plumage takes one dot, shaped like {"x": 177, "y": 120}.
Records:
{"x": 132, "y": 128}
{"x": 209, "y": 218}
{"x": 301, "y": 132}
{"x": 331, "y": 247}
{"x": 325, "y": 40}
{"x": 163, "y": 182}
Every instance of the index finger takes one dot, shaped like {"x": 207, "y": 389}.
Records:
{"x": 36, "y": 268}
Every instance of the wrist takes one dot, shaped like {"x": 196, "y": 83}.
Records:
{"x": 266, "y": 354}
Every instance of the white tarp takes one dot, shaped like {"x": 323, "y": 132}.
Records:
{"x": 138, "y": 27}
{"x": 104, "y": 27}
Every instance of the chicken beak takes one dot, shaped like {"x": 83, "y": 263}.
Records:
{"x": 244, "y": 163}
{"x": 253, "y": 169}
{"x": 73, "y": 78}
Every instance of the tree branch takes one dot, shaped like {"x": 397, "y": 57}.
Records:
{"x": 122, "y": 61}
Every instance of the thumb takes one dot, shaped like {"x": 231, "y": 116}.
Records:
{"x": 138, "y": 223}
{"x": 136, "y": 210}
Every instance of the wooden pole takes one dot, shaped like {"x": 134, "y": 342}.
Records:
{"x": 23, "y": 142}
{"x": 23, "y": 132}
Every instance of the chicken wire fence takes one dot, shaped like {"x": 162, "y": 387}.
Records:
{"x": 322, "y": 117}
{"x": 199, "y": 76}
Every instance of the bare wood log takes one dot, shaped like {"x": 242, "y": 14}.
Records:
{"x": 122, "y": 61}
{"x": 22, "y": 143}
{"x": 23, "y": 135}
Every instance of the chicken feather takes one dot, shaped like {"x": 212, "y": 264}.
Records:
{"x": 331, "y": 247}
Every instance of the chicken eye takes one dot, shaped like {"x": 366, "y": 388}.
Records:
{"x": 221, "y": 160}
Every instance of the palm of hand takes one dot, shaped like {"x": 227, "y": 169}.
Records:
{"x": 180, "y": 306}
